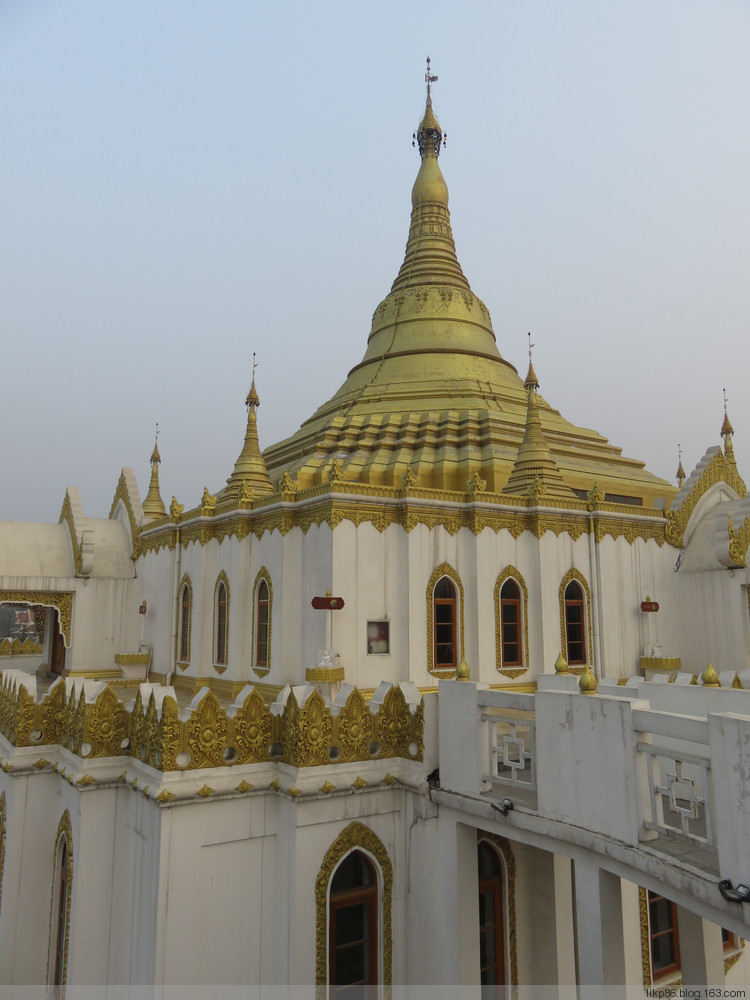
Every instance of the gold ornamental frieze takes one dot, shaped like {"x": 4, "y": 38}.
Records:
{"x": 408, "y": 506}
{"x": 39, "y": 599}
{"x": 212, "y": 735}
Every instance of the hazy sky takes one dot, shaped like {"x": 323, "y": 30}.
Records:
{"x": 187, "y": 182}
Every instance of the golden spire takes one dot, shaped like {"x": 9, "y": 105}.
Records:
{"x": 727, "y": 431}
{"x": 535, "y": 470}
{"x": 250, "y": 468}
{"x": 153, "y": 505}
{"x": 680, "y": 474}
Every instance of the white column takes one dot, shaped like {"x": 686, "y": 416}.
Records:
{"x": 701, "y": 950}
{"x": 599, "y": 930}
{"x": 564, "y": 932}
{"x": 457, "y": 948}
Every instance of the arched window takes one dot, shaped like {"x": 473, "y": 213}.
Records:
{"x": 575, "y": 623}
{"x": 445, "y": 645}
{"x": 491, "y": 924}
{"x": 183, "y": 652}
{"x": 60, "y": 916}
{"x": 511, "y": 640}
{"x": 221, "y": 623}
{"x": 262, "y": 624}
{"x": 353, "y": 923}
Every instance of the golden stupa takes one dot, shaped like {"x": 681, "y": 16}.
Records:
{"x": 433, "y": 394}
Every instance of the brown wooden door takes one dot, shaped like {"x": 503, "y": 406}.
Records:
{"x": 491, "y": 928}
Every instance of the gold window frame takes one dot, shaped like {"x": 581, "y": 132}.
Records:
{"x": 574, "y": 574}
{"x": 511, "y": 573}
{"x": 444, "y": 569}
{"x": 262, "y": 574}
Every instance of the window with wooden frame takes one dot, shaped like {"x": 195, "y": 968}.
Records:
{"x": 353, "y": 924}
{"x": 575, "y": 624}
{"x": 445, "y": 633}
{"x": 491, "y": 922}
{"x": 262, "y": 618}
{"x": 664, "y": 936}
{"x": 511, "y": 625}
{"x": 57, "y": 961}
{"x": 221, "y": 624}
{"x": 186, "y": 601}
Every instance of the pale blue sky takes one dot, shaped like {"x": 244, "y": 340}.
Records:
{"x": 186, "y": 182}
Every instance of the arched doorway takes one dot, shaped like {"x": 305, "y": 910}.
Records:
{"x": 353, "y": 923}
{"x": 491, "y": 922}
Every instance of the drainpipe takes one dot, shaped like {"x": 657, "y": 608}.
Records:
{"x": 176, "y": 563}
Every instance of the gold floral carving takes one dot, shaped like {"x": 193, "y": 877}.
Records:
{"x": 719, "y": 469}
{"x": 444, "y": 569}
{"x": 65, "y": 830}
{"x": 509, "y": 863}
{"x": 121, "y": 493}
{"x": 244, "y": 787}
{"x": 176, "y": 509}
{"x": 739, "y": 542}
{"x": 390, "y": 779}
{"x": 511, "y": 573}
{"x": 359, "y": 783}
{"x": 326, "y": 788}
{"x": 571, "y": 575}
{"x": 205, "y": 792}
{"x": 164, "y": 796}
{"x": 86, "y": 781}
{"x": 262, "y": 574}
{"x": 20, "y": 647}
{"x": 47, "y": 599}
{"x": 356, "y": 836}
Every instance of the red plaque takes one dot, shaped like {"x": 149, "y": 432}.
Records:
{"x": 328, "y": 603}
{"x": 649, "y": 606}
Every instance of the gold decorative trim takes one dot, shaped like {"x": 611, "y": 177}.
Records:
{"x": 390, "y": 779}
{"x": 733, "y": 959}
{"x": 262, "y": 574}
{"x": 511, "y": 573}
{"x": 164, "y": 797}
{"x": 668, "y": 664}
{"x": 326, "y": 788}
{"x": 183, "y": 664}
{"x": 444, "y": 569}
{"x": 318, "y": 674}
{"x": 125, "y": 659}
{"x": 353, "y": 837}
{"x": 359, "y": 783}
{"x": 86, "y": 781}
{"x": 509, "y": 862}
{"x": 205, "y": 792}
{"x": 221, "y": 578}
{"x": 719, "y": 469}
{"x": 407, "y": 508}
{"x": 573, "y": 574}
{"x": 20, "y": 647}
{"x": 645, "y": 936}
{"x": 3, "y": 838}
{"x": 62, "y": 602}
{"x": 244, "y": 787}
{"x": 123, "y": 493}
{"x": 64, "y": 829}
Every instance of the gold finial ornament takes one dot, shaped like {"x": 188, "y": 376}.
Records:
{"x": 535, "y": 473}
{"x": 587, "y": 683}
{"x": 709, "y": 677}
{"x": 727, "y": 431}
{"x": 561, "y": 664}
{"x": 680, "y": 474}
{"x": 153, "y": 505}
{"x": 462, "y": 671}
{"x": 250, "y": 469}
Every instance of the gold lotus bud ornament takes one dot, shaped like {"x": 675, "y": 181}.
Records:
{"x": 462, "y": 671}
{"x": 709, "y": 677}
{"x": 587, "y": 682}
{"x": 561, "y": 665}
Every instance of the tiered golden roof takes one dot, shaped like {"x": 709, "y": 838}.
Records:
{"x": 250, "y": 476}
{"x": 433, "y": 393}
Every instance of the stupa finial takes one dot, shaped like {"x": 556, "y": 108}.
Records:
{"x": 531, "y": 380}
{"x": 680, "y": 474}
{"x": 727, "y": 430}
{"x": 429, "y": 135}
{"x": 153, "y": 505}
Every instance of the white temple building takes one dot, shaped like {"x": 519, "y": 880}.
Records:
{"x": 442, "y": 689}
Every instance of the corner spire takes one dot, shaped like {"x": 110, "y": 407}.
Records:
{"x": 153, "y": 505}
{"x": 250, "y": 468}
{"x": 680, "y": 474}
{"x": 727, "y": 431}
{"x": 535, "y": 471}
